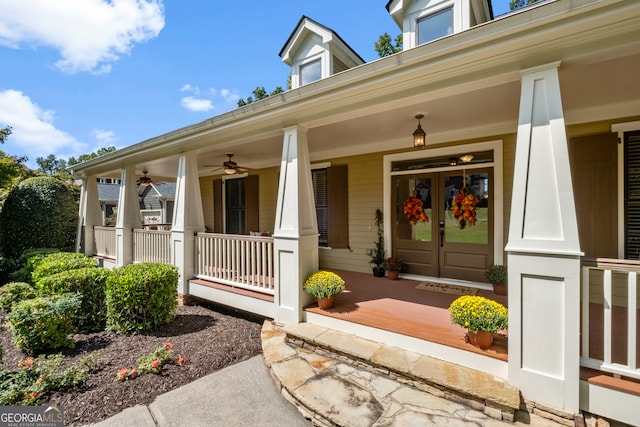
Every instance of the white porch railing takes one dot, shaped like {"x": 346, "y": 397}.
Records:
{"x": 105, "y": 241}
{"x": 240, "y": 261}
{"x": 152, "y": 246}
{"x": 610, "y": 316}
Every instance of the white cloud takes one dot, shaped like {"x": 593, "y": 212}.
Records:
{"x": 89, "y": 34}
{"x": 229, "y": 96}
{"x": 203, "y": 102}
{"x": 196, "y": 104}
{"x": 104, "y": 136}
{"x": 33, "y": 132}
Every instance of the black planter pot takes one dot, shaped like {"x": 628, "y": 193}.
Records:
{"x": 378, "y": 272}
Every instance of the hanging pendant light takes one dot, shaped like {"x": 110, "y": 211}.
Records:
{"x": 419, "y": 135}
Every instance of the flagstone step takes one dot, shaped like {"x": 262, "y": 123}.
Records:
{"x": 439, "y": 377}
{"x": 337, "y": 379}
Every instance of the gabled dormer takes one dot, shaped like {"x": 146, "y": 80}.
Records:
{"x": 315, "y": 52}
{"x": 423, "y": 21}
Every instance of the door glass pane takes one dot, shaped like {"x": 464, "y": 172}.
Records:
{"x": 466, "y": 208}
{"x": 413, "y": 209}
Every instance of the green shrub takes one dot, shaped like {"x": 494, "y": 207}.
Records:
{"x": 28, "y": 261}
{"x": 8, "y": 267}
{"x": 59, "y": 262}
{"x": 14, "y": 292}
{"x": 40, "y": 212}
{"x": 43, "y": 323}
{"x": 90, "y": 283}
{"x": 141, "y": 297}
{"x": 37, "y": 377}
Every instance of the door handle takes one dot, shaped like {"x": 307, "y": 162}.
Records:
{"x": 441, "y": 225}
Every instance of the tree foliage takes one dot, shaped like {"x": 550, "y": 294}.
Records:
{"x": 517, "y": 4}
{"x": 258, "y": 94}
{"x": 40, "y": 212}
{"x": 12, "y": 168}
{"x": 385, "y": 46}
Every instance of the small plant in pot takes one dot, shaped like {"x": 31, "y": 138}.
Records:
{"x": 481, "y": 317}
{"x": 497, "y": 276}
{"x": 324, "y": 285}
{"x": 394, "y": 266}
{"x": 377, "y": 253}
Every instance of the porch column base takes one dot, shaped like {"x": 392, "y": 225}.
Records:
{"x": 544, "y": 325}
{"x": 295, "y": 260}
{"x": 124, "y": 246}
{"x": 183, "y": 257}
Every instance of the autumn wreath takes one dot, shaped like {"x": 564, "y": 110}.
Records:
{"x": 414, "y": 211}
{"x": 463, "y": 208}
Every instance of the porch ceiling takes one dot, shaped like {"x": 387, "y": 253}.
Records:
{"x": 467, "y": 85}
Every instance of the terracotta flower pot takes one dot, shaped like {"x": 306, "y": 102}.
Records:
{"x": 481, "y": 339}
{"x": 325, "y": 303}
{"x": 499, "y": 289}
{"x": 392, "y": 275}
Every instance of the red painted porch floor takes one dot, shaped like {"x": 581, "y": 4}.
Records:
{"x": 397, "y": 306}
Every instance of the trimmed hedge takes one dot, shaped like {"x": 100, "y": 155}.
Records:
{"x": 140, "y": 297}
{"x": 43, "y": 323}
{"x": 90, "y": 283}
{"x": 13, "y": 293}
{"x": 28, "y": 261}
{"x": 40, "y": 212}
{"x": 61, "y": 261}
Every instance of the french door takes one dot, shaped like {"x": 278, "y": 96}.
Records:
{"x": 449, "y": 243}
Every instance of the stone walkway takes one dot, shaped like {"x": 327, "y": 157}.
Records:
{"x": 332, "y": 390}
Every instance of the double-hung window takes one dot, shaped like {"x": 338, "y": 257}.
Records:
{"x": 434, "y": 26}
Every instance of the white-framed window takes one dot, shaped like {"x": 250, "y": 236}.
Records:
{"x": 310, "y": 72}
{"x": 434, "y": 26}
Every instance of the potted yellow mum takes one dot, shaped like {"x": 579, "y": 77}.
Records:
{"x": 481, "y": 317}
{"x": 324, "y": 285}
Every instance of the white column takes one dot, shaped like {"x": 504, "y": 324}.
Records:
{"x": 295, "y": 236}
{"x": 188, "y": 219}
{"x": 543, "y": 251}
{"x": 90, "y": 216}
{"x": 128, "y": 216}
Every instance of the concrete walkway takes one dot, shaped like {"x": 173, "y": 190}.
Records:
{"x": 294, "y": 385}
{"x": 240, "y": 395}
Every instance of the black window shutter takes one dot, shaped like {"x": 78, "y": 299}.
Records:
{"x": 251, "y": 204}
{"x": 338, "y": 204}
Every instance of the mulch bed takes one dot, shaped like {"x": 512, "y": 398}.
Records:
{"x": 209, "y": 337}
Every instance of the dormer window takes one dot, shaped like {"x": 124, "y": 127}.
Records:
{"x": 434, "y": 26}
{"x": 310, "y": 72}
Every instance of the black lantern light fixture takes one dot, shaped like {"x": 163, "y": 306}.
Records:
{"x": 419, "y": 135}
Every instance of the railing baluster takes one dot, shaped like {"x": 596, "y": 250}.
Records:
{"x": 607, "y": 267}
{"x": 242, "y": 261}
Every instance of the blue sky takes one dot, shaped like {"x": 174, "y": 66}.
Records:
{"x": 86, "y": 74}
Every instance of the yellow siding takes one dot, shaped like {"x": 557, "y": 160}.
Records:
{"x": 206, "y": 191}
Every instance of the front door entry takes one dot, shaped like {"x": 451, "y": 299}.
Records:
{"x": 432, "y": 238}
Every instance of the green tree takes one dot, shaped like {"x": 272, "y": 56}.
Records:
{"x": 12, "y": 168}
{"x": 259, "y": 93}
{"x": 51, "y": 165}
{"x": 517, "y": 4}
{"x": 83, "y": 158}
{"x": 385, "y": 47}
{"x": 40, "y": 212}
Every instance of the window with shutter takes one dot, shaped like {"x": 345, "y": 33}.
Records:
{"x": 331, "y": 199}
{"x": 319, "y": 178}
{"x": 236, "y": 205}
{"x": 632, "y": 195}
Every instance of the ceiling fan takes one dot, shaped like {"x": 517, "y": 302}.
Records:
{"x": 144, "y": 180}
{"x": 230, "y": 167}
